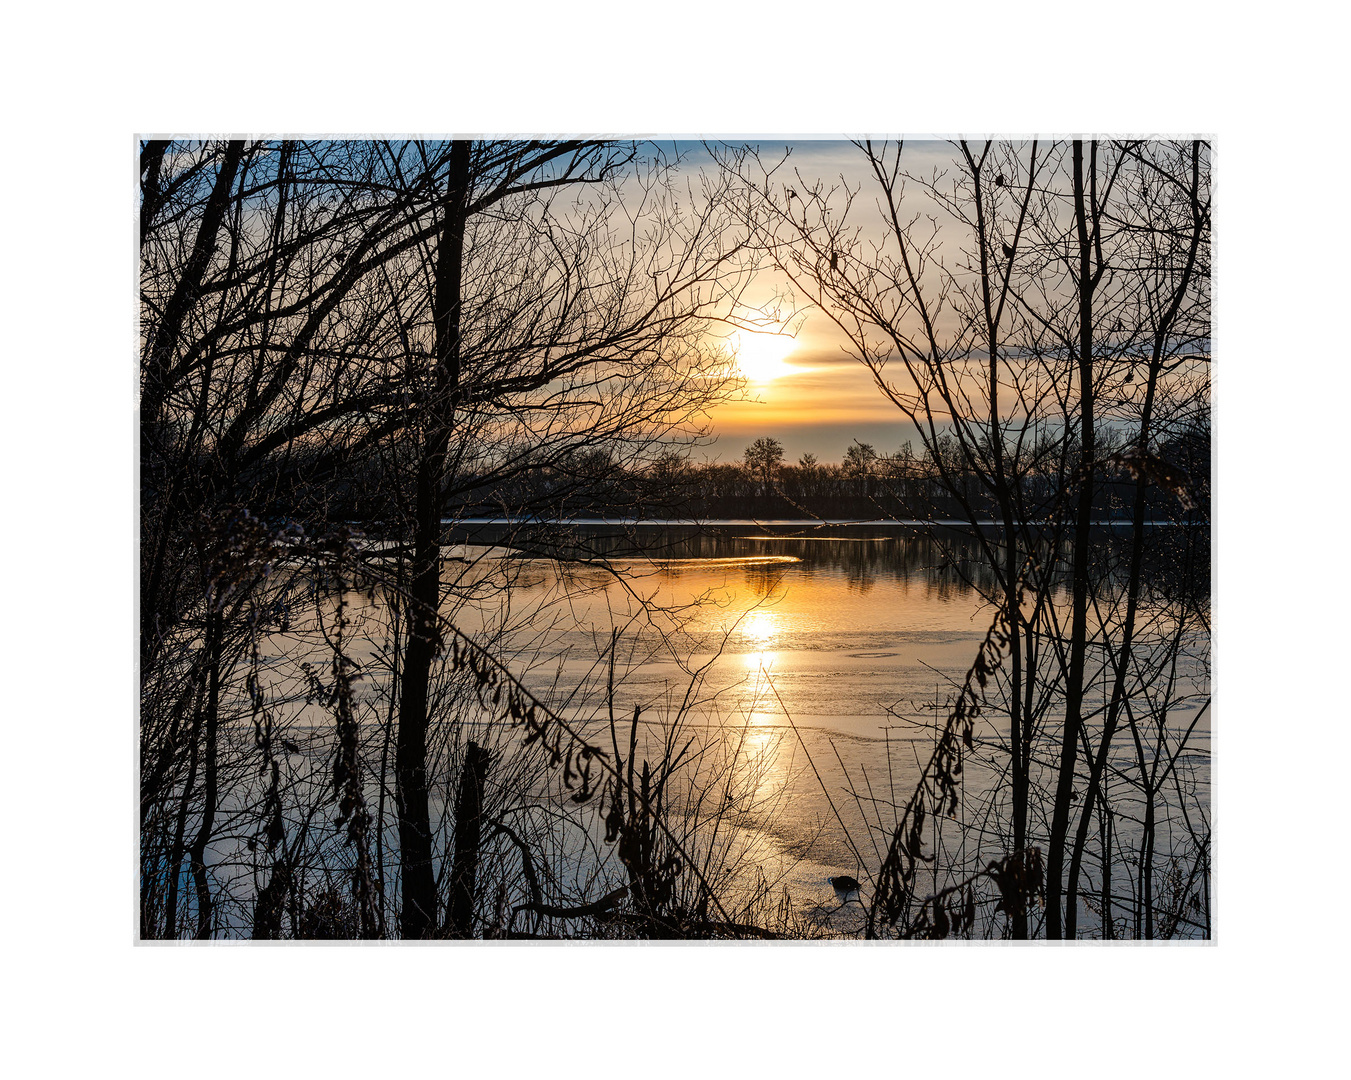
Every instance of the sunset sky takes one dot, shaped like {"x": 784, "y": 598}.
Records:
{"x": 817, "y": 398}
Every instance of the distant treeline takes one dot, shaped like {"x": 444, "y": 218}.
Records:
{"x": 935, "y": 484}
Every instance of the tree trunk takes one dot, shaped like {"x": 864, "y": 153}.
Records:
{"x": 176, "y": 847}
{"x": 418, "y": 917}
{"x": 468, "y": 833}
{"x": 1074, "y": 683}
{"x": 1002, "y": 490}
{"x": 210, "y": 780}
{"x": 159, "y": 358}
{"x": 1123, "y": 662}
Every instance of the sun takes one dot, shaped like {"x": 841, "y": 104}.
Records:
{"x": 760, "y": 357}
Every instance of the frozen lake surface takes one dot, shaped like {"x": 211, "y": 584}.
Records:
{"x": 813, "y": 663}
{"x": 833, "y": 656}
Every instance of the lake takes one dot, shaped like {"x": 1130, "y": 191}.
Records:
{"x": 797, "y": 672}
{"x": 826, "y": 655}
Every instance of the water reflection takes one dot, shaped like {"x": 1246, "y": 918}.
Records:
{"x": 822, "y": 657}
{"x": 950, "y": 562}
{"x": 758, "y": 629}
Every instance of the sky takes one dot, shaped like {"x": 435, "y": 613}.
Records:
{"x": 819, "y": 402}
{"x": 815, "y": 396}
{"x": 820, "y": 398}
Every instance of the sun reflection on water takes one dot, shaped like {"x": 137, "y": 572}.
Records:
{"x": 758, "y": 629}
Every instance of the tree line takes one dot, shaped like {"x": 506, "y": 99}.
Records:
{"x": 864, "y": 485}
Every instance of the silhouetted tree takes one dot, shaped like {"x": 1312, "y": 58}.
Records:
{"x": 763, "y": 458}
